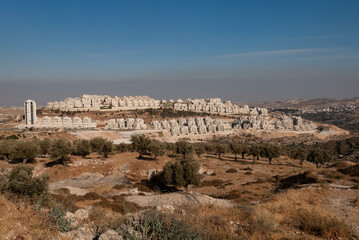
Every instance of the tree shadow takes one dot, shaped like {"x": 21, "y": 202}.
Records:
{"x": 17, "y": 161}
{"x": 56, "y": 162}
{"x": 146, "y": 158}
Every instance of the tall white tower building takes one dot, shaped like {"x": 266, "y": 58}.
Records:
{"x": 30, "y": 113}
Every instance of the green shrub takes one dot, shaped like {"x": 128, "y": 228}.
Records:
{"x": 56, "y": 215}
{"x": 12, "y": 137}
{"x": 153, "y": 225}
{"x": 21, "y": 182}
{"x": 182, "y": 172}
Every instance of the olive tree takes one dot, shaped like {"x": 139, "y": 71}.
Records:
{"x": 199, "y": 150}
{"x": 270, "y": 151}
{"x": 182, "y": 173}
{"x": 82, "y": 147}
{"x": 237, "y": 148}
{"x": 101, "y": 146}
{"x": 140, "y": 144}
{"x": 184, "y": 148}
{"x": 318, "y": 156}
{"x": 255, "y": 151}
{"x": 220, "y": 149}
{"x": 60, "y": 150}
{"x": 24, "y": 151}
{"x": 156, "y": 148}
{"x": 300, "y": 154}
{"x": 45, "y": 146}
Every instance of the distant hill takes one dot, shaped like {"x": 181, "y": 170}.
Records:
{"x": 304, "y": 103}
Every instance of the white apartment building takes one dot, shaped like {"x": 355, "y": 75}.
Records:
{"x": 30, "y": 113}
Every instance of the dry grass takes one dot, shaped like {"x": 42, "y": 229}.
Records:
{"x": 21, "y": 221}
{"x": 303, "y": 209}
{"x": 356, "y": 201}
{"x": 118, "y": 205}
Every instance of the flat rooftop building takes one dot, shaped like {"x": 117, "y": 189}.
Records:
{"x": 30, "y": 113}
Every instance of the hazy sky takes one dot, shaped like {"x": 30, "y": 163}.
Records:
{"x": 240, "y": 50}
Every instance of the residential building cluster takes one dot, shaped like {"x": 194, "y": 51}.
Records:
{"x": 66, "y": 123}
{"x": 216, "y": 105}
{"x": 125, "y": 124}
{"x": 191, "y": 126}
{"x": 97, "y": 102}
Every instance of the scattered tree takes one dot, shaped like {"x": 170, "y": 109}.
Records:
{"x": 101, "y": 146}
{"x": 220, "y": 150}
{"x": 199, "y": 150}
{"x": 318, "y": 156}
{"x": 82, "y": 147}
{"x": 24, "y": 151}
{"x": 300, "y": 154}
{"x": 156, "y": 148}
{"x": 140, "y": 144}
{"x": 45, "y": 146}
{"x": 270, "y": 151}
{"x": 182, "y": 172}
{"x": 236, "y": 148}
{"x": 6, "y": 147}
{"x": 255, "y": 151}
{"x": 60, "y": 149}
{"x": 184, "y": 148}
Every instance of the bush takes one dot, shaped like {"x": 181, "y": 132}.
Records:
{"x": 182, "y": 172}
{"x": 56, "y": 215}
{"x": 153, "y": 225}
{"x": 12, "y": 137}
{"x": 21, "y": 182}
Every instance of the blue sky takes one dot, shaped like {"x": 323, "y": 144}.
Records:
{"x": 265, "y": 50}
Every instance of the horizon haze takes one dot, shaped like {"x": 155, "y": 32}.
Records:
{"x": 244, "y": 51}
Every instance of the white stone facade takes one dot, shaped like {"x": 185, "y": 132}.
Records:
{"x": 125, "y": 124}
{"x": 265, "y": 123}
{"x": 66, "y": 123}
{"x": 190, "y": 126}
{"x": 30, "y": 113}
{"x": 97, "y": 102}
